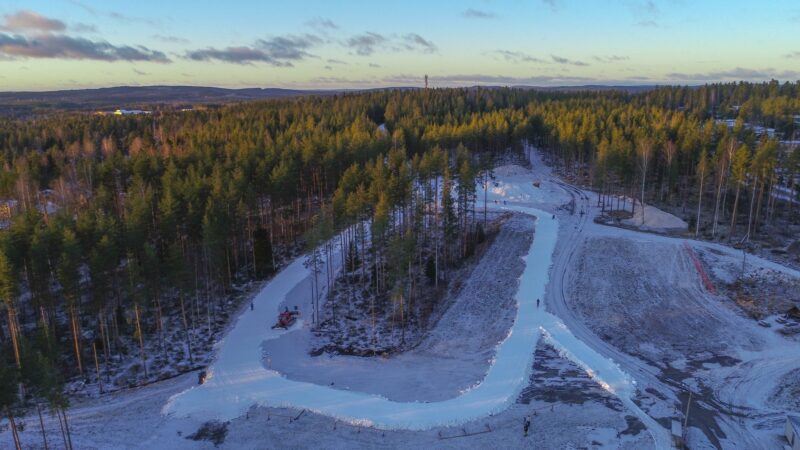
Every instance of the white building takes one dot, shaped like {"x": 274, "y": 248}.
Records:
{"x": 128, "y": 112}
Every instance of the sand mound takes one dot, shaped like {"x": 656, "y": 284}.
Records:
{"x": 656, "y": 220}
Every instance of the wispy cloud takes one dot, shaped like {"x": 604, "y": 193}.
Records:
{"x": 279, "y": 51}
{"x": 478, "y": 14}
{"x": 517, "y": 57}
{"x": 169, "y": 39}
{"x": 553, "y": 4}
{"x": 337, "y": 61}
{"x": 67, "y": 47}
{"x": 610, "y": 58}
{"x": 140, "y": 72}
{"x": 482, "y": 79}
{"x": 792, "y": 55}
{"x": 25, "y": 20}
{"x": 413, "y": 41}
{"x": 738, "y": 73}
{"x": 365, "y": 44}
{"x": 561, "y": 60}
{"x": 646, "y": 12}
{"x": 322, "y": 24}
{"x": 374, "y": 65}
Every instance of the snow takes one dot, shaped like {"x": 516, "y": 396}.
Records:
{"x": 238, "y": 380}
{"x": 451, "y": 357}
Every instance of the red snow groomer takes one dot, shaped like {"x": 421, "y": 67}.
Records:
{"x": 286, "y": 318}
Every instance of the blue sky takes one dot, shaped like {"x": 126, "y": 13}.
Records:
{"x": 68, "y": 44}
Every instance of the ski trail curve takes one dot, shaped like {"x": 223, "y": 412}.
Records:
{"x": 238, "y": 380}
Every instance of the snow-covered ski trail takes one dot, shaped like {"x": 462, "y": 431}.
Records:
{"x": 238, "y": 379}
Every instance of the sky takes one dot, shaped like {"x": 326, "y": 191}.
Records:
{"x": 314, "y": 44}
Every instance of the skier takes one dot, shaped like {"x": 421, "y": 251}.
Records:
{"x": 251, "y": 306}
{"x": 537, "y": 302}
{"x": 526, "y": 423}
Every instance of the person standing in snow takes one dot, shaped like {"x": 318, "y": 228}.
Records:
{"x": 526, "y": 423}
{"x": 537, "y": 302}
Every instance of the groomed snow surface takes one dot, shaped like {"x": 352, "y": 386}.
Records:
{"x": 238, "y": 380}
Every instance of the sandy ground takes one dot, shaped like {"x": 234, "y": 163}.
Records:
{"x": 451, "y": 359}
{"x": 655, "y": 219}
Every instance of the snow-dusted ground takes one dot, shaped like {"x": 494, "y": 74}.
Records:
{"x": 238, "y": 380}
{"x": 451, "y": 358}
{"x": 742, "y": 382}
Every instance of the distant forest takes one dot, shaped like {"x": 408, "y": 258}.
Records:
{"x": 113, "y": 222}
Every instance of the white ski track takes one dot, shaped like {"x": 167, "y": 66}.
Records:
{"x": 238, "y": 380}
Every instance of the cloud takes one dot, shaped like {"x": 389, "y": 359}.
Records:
{"x": 478, "y": 14}
{"x": 738, "y": 73}
{"x": 337, "y": 61}
{"x": 84, "y": 28}
{"x": 374, "y": 65}
{"x": 139, "y": 72}
{"x": 647, "y": 23}
{"x": 365, "y": 44}
{"x": 553, "y": 4}
{"x": 169, "y": 39}
{"x": 368, "y": 43}
{"x": 278, "y": 51}
{"x": 646, "y": 8}
{"x": 517, "y": 57}
{"x": 792, "y": 55}
{"x": 610, "y": 58}
{"x": 66, "y": 47}
{"x": 479, "y": 79}
{"x": 322, "y": 24}
{"x": 341, "y": 81}
{"x": 413, "y": 41}
{"x": 562, "y": 60}
{"x": 84, "y": 7}
{"x": 124, "y": 18}
{"x": 25, "y": 20}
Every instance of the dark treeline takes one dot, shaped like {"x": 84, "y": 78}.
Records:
{"x": 115, "y": 223}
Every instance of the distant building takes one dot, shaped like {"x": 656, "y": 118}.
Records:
{"x": 793, "y": 431}
{"x": 130, "y": 112}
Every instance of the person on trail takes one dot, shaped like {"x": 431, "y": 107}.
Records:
{"x": 251, "y": 306}
{"x": 526, "y": 423}
{"x": 537, "y": 302}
